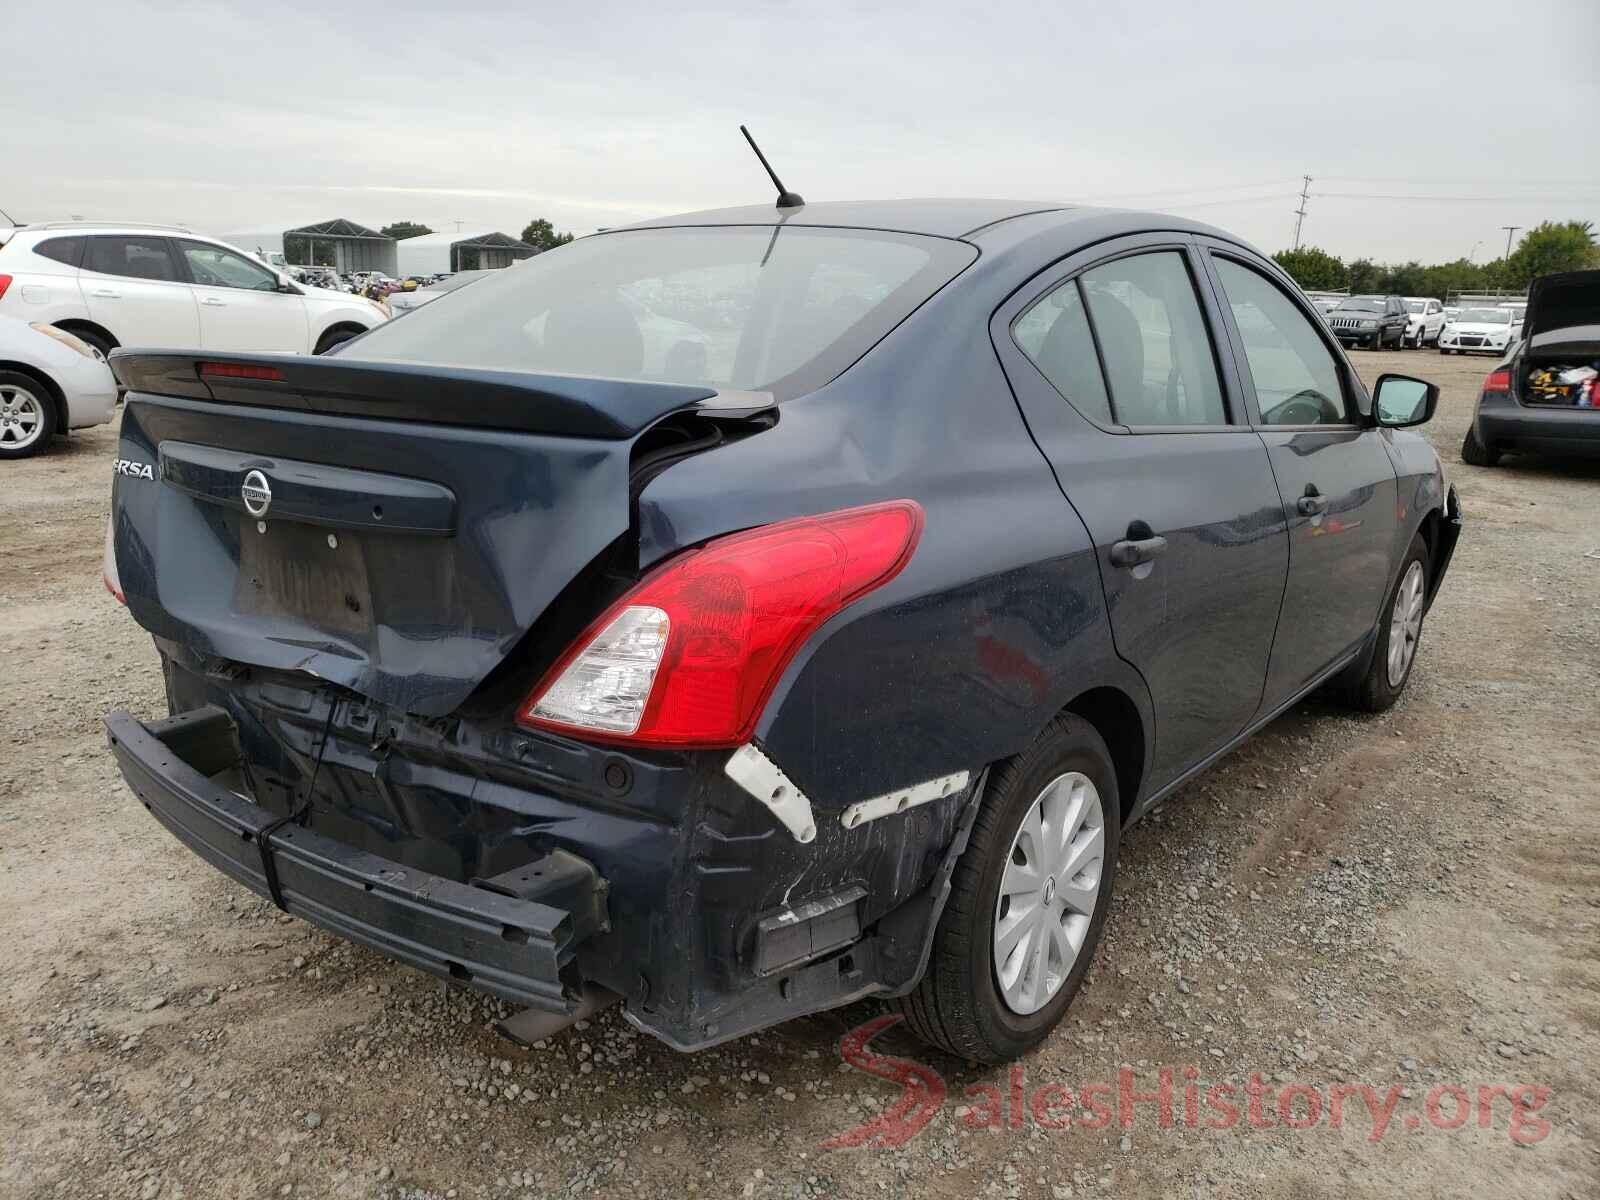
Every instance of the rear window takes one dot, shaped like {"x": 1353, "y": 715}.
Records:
{"x": 780, "y": 309}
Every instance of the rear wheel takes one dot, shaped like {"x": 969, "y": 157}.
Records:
{"x": 1399, "y": 633}
{"x": 1028, "y": 900}
{"x": 27, "y": 415}
{"x": 1474, "y": 452}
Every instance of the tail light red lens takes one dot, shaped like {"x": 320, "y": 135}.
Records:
{"x": 227, "y": 370}
{"x": 5, "y": 282}
{"x": 690, "y": 656}
{"x": 1498, "y": 381}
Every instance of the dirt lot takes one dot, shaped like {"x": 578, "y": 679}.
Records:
{"x": 1409, "y": 902}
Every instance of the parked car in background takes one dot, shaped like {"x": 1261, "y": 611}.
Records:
{"x": 1371, "y": 321}
{"x": 1477, "y": 331}
{"x": 126, "y": 285}
{"x": 1424, "y": 321}
{"x": 402, "y": 302}
{"x": 1518, "y": 313}
{"x": 1545, "y": 396}
{"x": 50, "y": 382}
{"x": 681, "y": 616}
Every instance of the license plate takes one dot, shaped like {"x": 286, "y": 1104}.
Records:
{"x": 293, "y": 570}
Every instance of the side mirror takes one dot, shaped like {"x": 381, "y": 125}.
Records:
{"x": 285, "y": 284}
{"x": 1400, "y": 401}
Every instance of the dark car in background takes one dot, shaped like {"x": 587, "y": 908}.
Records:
{"x": 1371, "y": 321}
{"x": 1544, "y": 397}
{"x": 749, "y": 612}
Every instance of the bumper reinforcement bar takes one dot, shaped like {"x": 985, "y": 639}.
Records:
{"x": 511, "y": 946}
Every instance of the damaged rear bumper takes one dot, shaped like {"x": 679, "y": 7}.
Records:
{"x": 510, "y": 945}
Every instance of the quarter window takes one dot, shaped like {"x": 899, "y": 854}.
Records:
{"x": 212, "y": 266}
{"x": 132, "y": 257}
{"x": 68, "y": 250}
{"x": 1295, "y": 375}
{"x": 1054, "y": 334}
{"x": 1158, "y": 357}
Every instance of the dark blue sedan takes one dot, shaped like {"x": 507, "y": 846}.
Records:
{"x": 749, "y": 612}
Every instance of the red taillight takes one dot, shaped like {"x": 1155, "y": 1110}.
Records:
{"x": 227, "y": 370}
{"x": 1498, "y": 381}
{"x": 5, "y": 282}
{"x": 690, "y": 656}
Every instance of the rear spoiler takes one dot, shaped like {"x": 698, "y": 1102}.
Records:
{"x": 559, "y": 405}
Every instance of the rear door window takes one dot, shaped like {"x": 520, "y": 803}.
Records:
{"x": 131, "y": 257}
{"x": 1159, "y": 360}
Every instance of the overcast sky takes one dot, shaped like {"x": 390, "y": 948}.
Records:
{"x": 1425, "y": 124}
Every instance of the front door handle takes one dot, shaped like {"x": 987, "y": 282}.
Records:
{"x": 213, "y": 302}
{"x": 1137, "y": 552}
{"x": 1313, "y": 503}
{"x": 105, "y": 294}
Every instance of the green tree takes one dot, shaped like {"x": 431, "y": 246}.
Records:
{"x": 1363, "y": 275}
{"x": 1404, "y": 279}
{"x": 542, "y": 235}
{"x": 1550, "y": 247}
{"x": 1312, "y": 268}
{"x": 401, "y": 230}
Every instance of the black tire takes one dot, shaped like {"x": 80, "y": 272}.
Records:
{"x": 27, "y": 415}
{"x": 958, "y": 1006}
{"x": 334, "y": 337}
{"x": 1372, "y": 691}
{"x": 1474, "y": 453}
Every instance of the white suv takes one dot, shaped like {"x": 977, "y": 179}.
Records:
{"x": 159, "y": 286}
{"x": 1425, "y": 321}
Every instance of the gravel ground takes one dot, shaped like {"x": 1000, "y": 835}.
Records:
{"x": 1409, "y": 901}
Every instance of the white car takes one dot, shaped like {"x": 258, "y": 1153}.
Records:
{"x": 1424, "y": 321}
{"x": 50, "y": 382}
{"x": 155, "y": 286}
{"x": 1477, "y": 331}
{"x": 1517, "y": 311}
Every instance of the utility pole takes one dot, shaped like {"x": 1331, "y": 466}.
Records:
{"x": 1510, "y": 229}
{"x": 1300, "y": 213}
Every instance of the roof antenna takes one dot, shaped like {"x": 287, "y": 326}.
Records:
{"x": 786, "y": 198}
{"x": 14, "y": 225}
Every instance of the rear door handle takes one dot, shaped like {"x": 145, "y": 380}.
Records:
{"x": 105, "y": 294}
{"x": 213, "y": 302}
{"x": 1313, "y": 503}
{"x": 1138, "y": 552}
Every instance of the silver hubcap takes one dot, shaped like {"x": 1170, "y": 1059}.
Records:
{"x": 1048, "y": 892}
{"x": 1405, "y": 624}
{"x": 21, "y": 418}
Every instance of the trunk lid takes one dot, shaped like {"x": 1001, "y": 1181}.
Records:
{"x": 1563, "y": 308}
{"x": 393, "y": 529}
